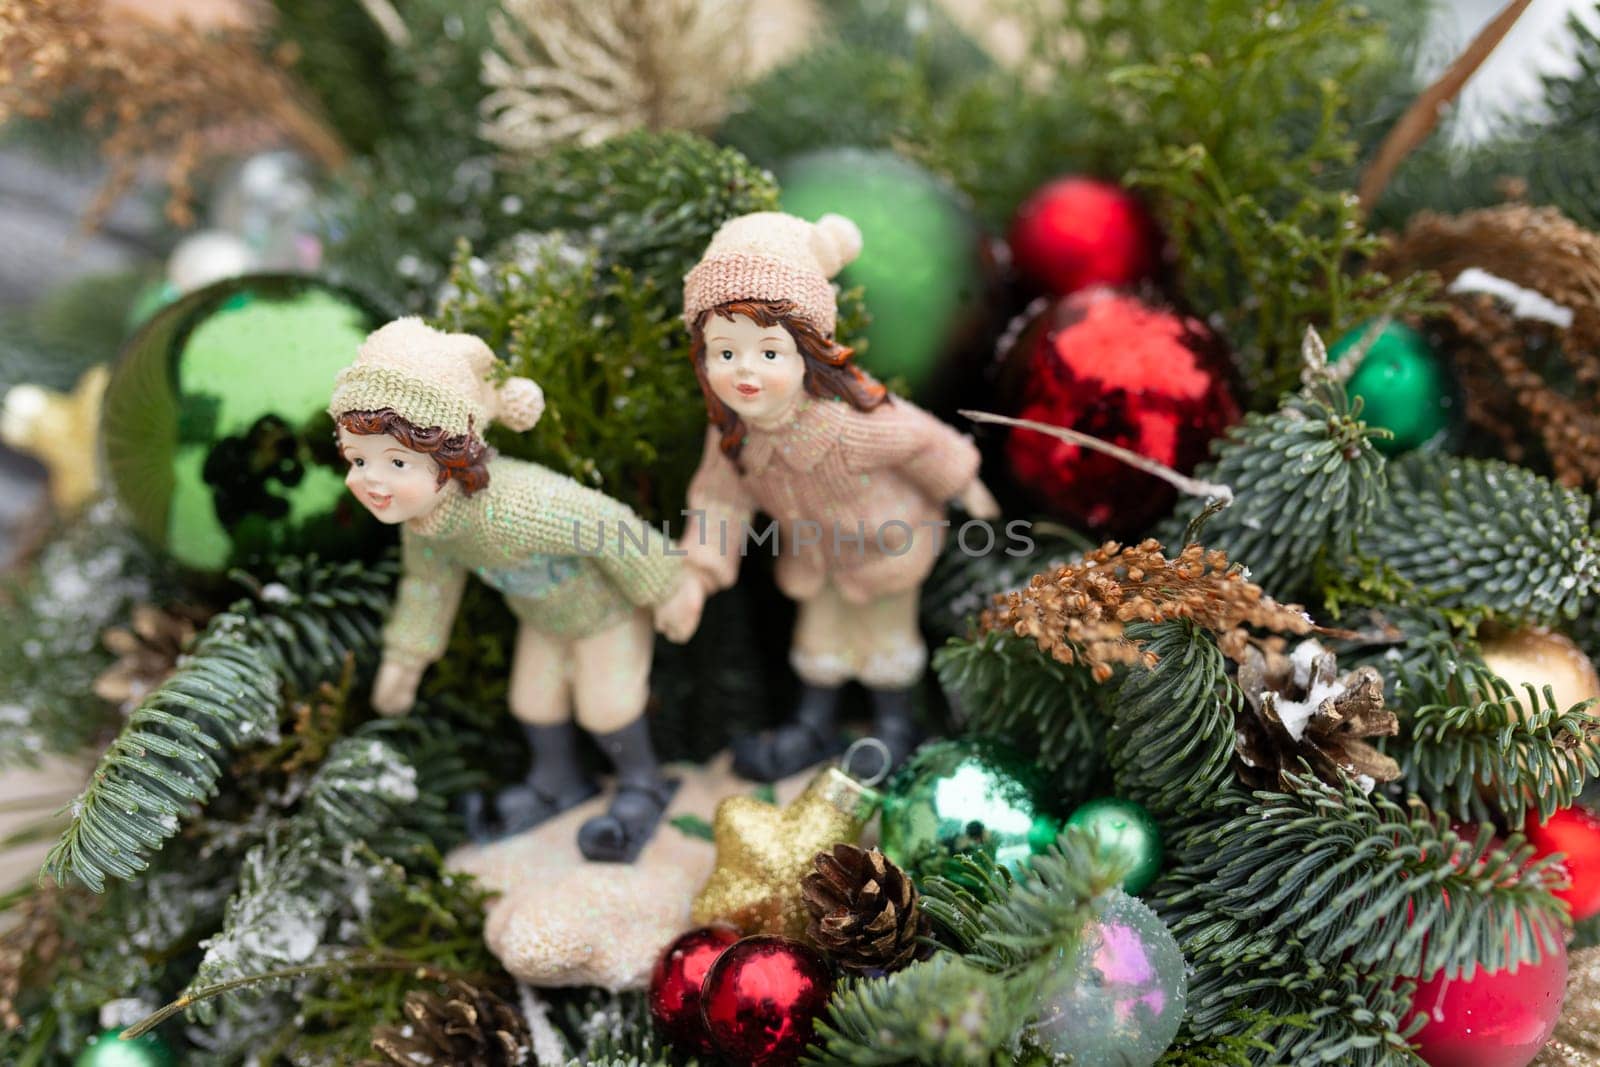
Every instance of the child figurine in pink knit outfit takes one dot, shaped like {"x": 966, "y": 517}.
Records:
{"x": 411, "y": 411}
{"x": 857, "y": 481}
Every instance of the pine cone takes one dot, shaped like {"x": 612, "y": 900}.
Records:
{"x": 1299, "y": 710}
{"x": 864, "y": 910}
{"x": 146, "y": 653}
{"x": 468, "y": 1027}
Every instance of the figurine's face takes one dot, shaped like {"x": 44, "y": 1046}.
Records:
{"x": 756, "y": 370}
{"x": 393, "y": 482}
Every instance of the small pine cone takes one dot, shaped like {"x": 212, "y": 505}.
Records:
{"x": 864, "y": 910}
{"x": 468, "y": 1027}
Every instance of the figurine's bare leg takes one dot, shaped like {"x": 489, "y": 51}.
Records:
{"x": 611, "y": 672}
{"x": 541, "y": 699}
{"x": 823, "y": 666}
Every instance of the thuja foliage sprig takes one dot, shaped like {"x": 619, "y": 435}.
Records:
{"x": 1359, "y": 880}
{"x": 1307, "y": 483}
{"x": 651, "y": 200}
{"x": 295, "y": 631}
{"x": 1474, "y": 535}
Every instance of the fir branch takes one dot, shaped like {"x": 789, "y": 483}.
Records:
{"x": 1001, "y": 684}
{"x": 1358, "y": 880}
{"x": 1483, "y": 535}
{"x": 171, "y": 754}
{"x": 942, "y": 1011}
{"x": 1172, "y": 743}
{"x": 1471, "y": 739}
{"x": 1307, "y": 482}
{"x": 1042, "y": 909}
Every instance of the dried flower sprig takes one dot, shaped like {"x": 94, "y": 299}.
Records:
{"x": 1078, "y": 613}
{"x": 176, "y": 94}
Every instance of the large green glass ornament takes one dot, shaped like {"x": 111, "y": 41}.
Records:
{"x": 1403, "y": 387}
{"x": 106, "y": 1049}
{"x": 965, "y": 797}
{"x": 215, "y": 433}
{"x": 1120, "y": 998}
{"x": 1124, "y": 830}
{"x": 919, "y": 261}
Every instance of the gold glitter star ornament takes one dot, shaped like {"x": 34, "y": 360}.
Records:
{"x": 763, "y": 852}
{"x": 59, "y": 430}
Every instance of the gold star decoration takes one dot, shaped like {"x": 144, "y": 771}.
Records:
{"x": 60, "y": 431}
{"x": 763, "y": 851}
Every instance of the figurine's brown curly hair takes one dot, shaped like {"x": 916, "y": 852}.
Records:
{"x": 829, "y": 370}
{"x": 461, "y": 457}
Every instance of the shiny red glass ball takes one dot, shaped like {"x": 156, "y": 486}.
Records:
{"x": 1108, "y": 364}
{"x": 677, "y": 981}
{"x": 762, "y": 999}
{"x": 1575, "y": 833}
{"x": 1076, "y": 232}
{"x": 1491, "y": 1019}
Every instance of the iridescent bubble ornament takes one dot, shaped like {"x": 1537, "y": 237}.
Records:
{"x": 966, "y": 797}
{"x": 1120, "y": 998}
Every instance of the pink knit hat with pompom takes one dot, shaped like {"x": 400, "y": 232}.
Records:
{"x": 432, "y": 378}
{"x": 773, "y": 256}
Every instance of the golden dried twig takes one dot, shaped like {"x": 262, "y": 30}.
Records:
{"x": 1078, "y": 612}
{"x": 177, "y": 94}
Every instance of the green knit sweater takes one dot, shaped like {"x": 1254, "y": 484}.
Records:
{"x": 569, "y": 560}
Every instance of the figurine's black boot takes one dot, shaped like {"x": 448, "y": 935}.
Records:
{"x": 555, "y": 783}
{"x": 641, "y": 799}
{"x": 895, "y": 724}
{"x": 812, "y": 737}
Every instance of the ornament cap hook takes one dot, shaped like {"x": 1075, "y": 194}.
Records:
{"x": 859, "y": 745}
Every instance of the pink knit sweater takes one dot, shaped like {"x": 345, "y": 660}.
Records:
{"x": 826, "y": 476}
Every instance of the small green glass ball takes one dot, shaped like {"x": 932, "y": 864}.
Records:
{"x": 106, "y": 1049}
{"x": 1126, "y": 830}
{"x": 919, "y": 262}
{"x": 1403, "y": 387}
{"x": 215, "y": 432}
{"x": 965, "y": 797}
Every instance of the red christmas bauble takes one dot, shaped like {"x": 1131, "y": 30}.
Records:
{"x": 1575, "y": 833}
{"x": 1107, "y": 364}
{"x": 762, "y": 999}
{"x": 677, "y": 982}
{"x": 1077, "y": 232}
{"x": 1491, "y": 1019}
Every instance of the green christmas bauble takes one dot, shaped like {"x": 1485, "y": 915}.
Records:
{"x": 919, "y": 261}
{"x": 1126, "y": 830}
{"x": 215, "y": 432}
{"x": 106, "y": 1049}
{"x": 1403, "y": 386}
{"x": 962, "y": 797}
{"x": 1120, "y": 997}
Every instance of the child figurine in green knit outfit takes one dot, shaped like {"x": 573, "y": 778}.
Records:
{"x": 411, "y": 412}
